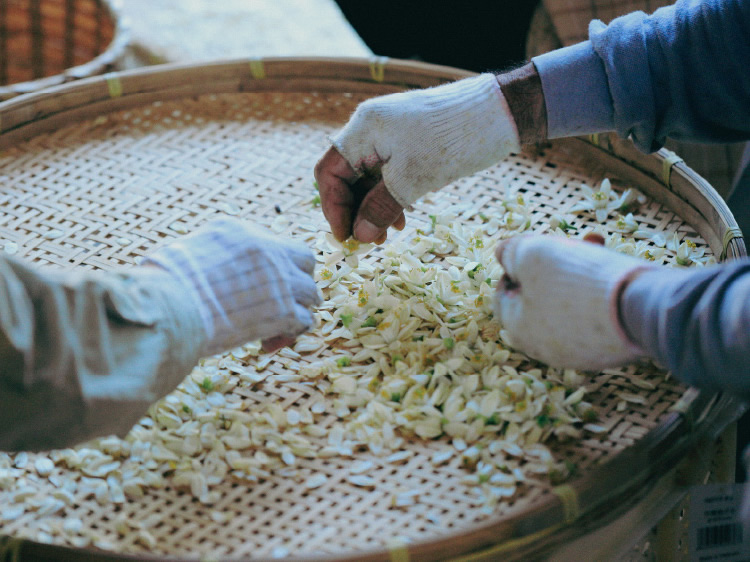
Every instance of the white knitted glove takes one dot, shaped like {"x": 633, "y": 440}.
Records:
{"x": 425, "y": 139}
{"x": 558, "y": 301}
{"x": 247, "y": 283}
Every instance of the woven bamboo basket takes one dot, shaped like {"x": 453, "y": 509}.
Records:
{"x": 47, "y": 42}
{"x": 96, "y": 173}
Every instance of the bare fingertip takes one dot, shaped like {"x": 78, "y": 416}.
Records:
{"x": 594, "y": 238}
{"x": 367, "y": 232}
{"x": 340, "y": 232}
{"x": 277, "y": 342}
{"x": 400, "y": 223}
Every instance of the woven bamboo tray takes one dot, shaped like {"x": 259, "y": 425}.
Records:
{"x": 47, "y": 42}
{"x": 97, "y": 173}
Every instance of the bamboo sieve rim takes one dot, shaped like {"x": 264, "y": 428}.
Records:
{"x": 700, "y": 415}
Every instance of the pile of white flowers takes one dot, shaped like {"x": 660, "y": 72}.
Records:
{"x": 405, "y": 350}
{"x": 418, "y": 354}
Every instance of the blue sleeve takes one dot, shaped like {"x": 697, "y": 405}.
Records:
{"x": 682, "y": 72}
{"x": 695, "y": 322}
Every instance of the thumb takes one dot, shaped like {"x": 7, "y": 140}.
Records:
{"x": 376, "y": 213}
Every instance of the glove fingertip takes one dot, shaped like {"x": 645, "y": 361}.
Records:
{"x": 304, "y": 320}
{"x": 303, "y": 258}
{"x": 506, "y": 252}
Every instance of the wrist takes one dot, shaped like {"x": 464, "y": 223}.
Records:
{"x": 523, "y": 92}
{"x": 618, "y": 304}
{"x": 576, "y": 92}
{"x": 646, "y": 302}
{"x": 181, "y": 322}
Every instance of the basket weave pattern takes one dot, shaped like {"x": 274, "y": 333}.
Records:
{"x": 103, "y": 192}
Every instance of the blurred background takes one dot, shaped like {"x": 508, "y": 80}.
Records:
{"x": 476, "y": 34}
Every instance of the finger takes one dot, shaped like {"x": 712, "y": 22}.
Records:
{"x": 305, "y": 292}
{"x": 497, "y": 305}
{"x": 505, "y": 252}
{"x": 400, "y": 223}
{"x": 378, "y": 211}
{"x": 303, "y": 258}
{"x": 361, "y": 188}
{"x": 594, "y": 238}
{"x": 507, "y": 304}
{"x": 501, "y": 251}
{"x": 334, "y": 176}
{"x": 276, "y": 342}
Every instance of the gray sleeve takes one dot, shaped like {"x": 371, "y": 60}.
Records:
{"x": 696, "y": 322}
{"x": 83, "y": 354}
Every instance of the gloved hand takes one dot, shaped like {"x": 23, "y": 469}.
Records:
{"x": 409, "y": 144}
{"x": 247, "y": 283}
{"x": 558, "y": 301}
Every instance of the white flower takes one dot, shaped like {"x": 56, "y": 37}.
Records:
{"x": 602, "y": 201}
{"x": 556, "y": 222}
{"x": 348, "y": 250}
{"x": 517, "y": 216}
{"x": 686, "y": 252}
{"x": 331, "y": 275}
{"x": 648, "y": 252}
{"x": 629, "y": 200}
{"x": 626, "y": 223}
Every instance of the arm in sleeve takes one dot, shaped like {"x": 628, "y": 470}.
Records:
{"x": 681, "y": 72}
{"x": 85, "y": 354}
{"x": 696, "y": 322}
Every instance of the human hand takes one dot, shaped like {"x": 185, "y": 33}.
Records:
{"x": 247, "y": 283}
{"x": 558, "y": 301}
{"x": 397, "y": 148}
